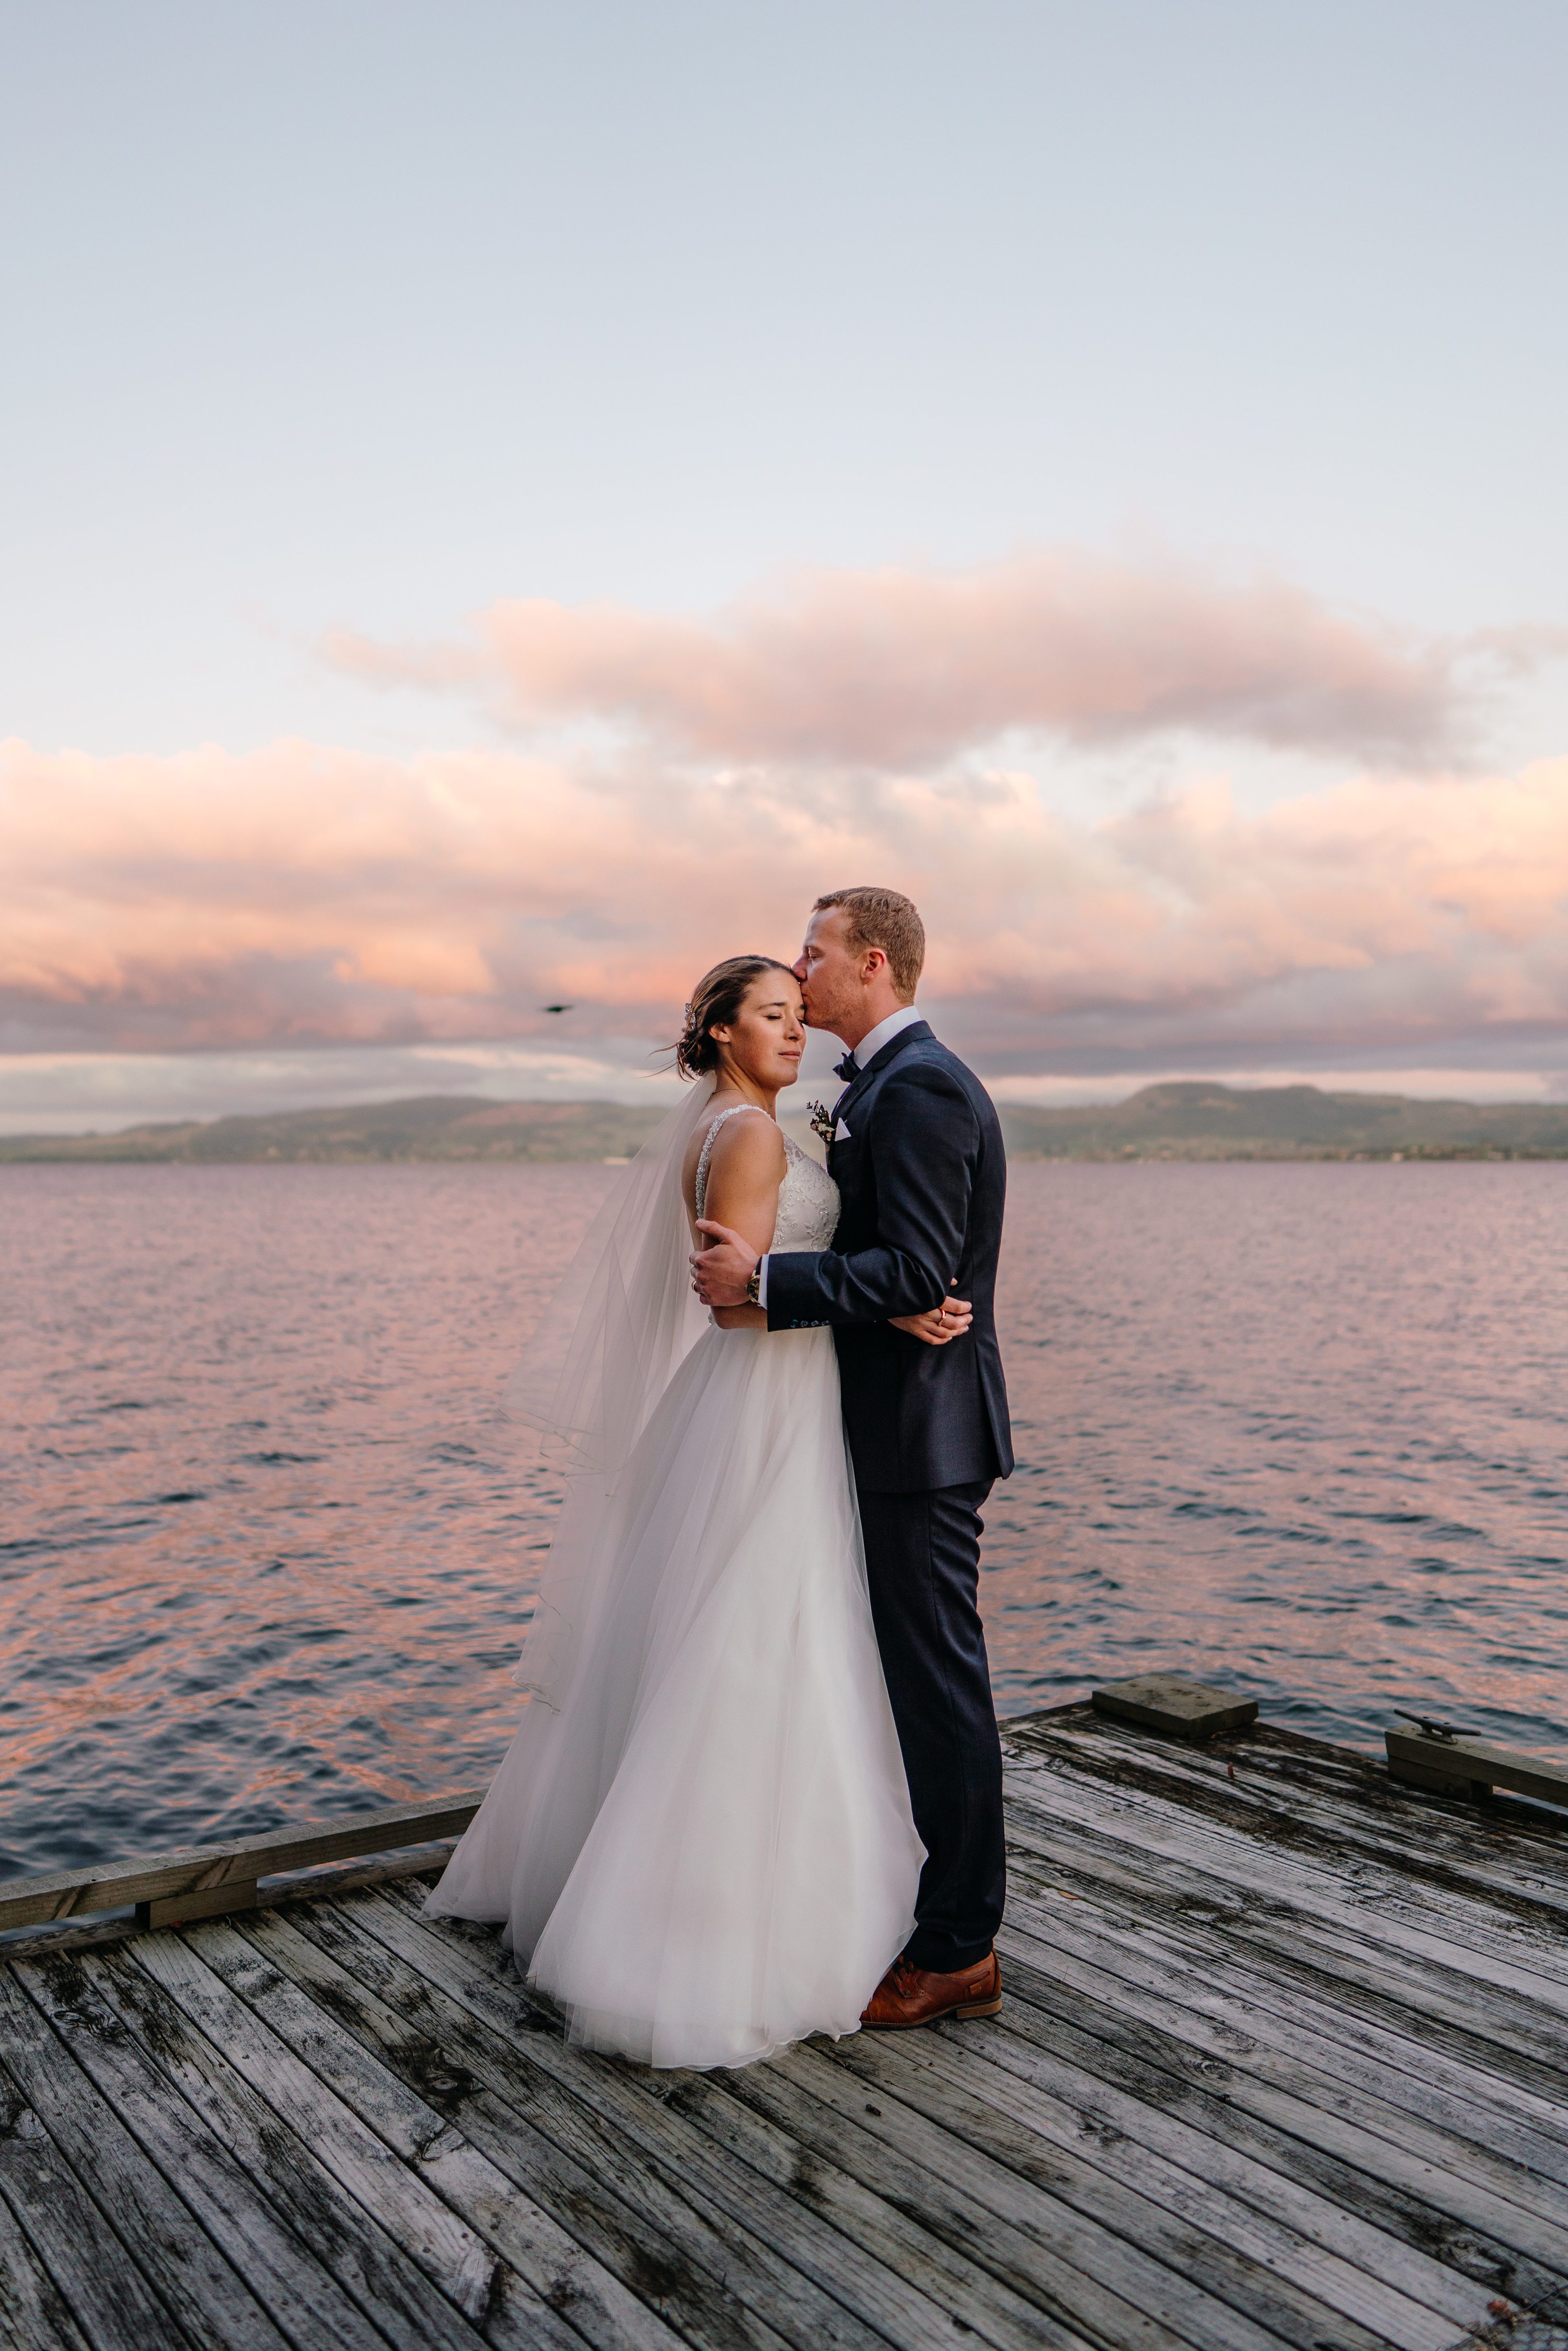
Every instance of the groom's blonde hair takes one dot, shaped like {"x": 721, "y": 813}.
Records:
{"x": 885, "y": 919}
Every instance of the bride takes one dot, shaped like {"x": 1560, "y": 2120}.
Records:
{"x": 700, "y": 1840}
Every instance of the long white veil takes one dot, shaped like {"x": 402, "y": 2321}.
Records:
{"x": 700, "y": 1839}
{"x": 601, "y": 1355}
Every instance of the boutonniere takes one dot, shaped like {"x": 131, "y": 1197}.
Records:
{"x": 821, "y": 1121}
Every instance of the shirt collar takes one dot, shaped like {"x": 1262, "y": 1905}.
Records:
{"x": 883, "y": 1033}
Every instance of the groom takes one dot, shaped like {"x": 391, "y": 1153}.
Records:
{"x": 916, "y": 1152}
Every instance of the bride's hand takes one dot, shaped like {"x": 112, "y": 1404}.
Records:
{"x": 942, "y": 1324}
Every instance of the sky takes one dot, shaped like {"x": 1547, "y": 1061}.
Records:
{"x": 500, "y": 505}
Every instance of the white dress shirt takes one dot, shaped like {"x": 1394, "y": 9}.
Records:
{"x": 871, "y": 1043}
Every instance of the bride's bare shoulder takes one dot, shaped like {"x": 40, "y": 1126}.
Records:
{"x": 747, "y": 1147}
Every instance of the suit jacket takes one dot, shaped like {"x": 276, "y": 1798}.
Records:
{"x": 923, "y": 1176}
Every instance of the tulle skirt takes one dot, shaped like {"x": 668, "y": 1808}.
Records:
{"x": 702, "y": 1844}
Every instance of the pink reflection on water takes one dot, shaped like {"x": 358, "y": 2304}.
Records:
{"x": 267, "y": 1548}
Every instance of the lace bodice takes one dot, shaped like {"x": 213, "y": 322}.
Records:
{"x": 807, "y": 1196}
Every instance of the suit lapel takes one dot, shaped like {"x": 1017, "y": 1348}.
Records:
{"x": 917, "y": 1031}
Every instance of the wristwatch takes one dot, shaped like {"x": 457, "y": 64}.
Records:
{"x": 754, "y": 1286}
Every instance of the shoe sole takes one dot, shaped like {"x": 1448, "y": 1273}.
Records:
{"x": 917, "y": 2024}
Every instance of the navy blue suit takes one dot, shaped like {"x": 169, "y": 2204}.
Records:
{"x": 923, "y": 1176}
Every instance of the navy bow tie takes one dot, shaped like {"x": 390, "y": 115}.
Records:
{"x": 846, "y": 1069}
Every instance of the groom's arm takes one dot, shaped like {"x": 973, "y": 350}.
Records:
{"x": 927, "y": 1143}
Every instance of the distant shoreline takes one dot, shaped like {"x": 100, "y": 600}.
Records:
{"x": 1192, "y": 1120}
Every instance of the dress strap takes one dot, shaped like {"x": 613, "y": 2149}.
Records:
{"x": 699, "y": 1184}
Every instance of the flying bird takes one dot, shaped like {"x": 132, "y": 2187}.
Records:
{"x": 558, "y": 1008}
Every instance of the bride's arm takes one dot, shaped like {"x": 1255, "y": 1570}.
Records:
{"x": 743, "y": 1179}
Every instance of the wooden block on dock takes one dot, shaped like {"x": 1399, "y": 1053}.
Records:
{"x": 202, "y": 1902}
{"x": 1467, "y": 1767}
{"x": 1170, "y": 1702}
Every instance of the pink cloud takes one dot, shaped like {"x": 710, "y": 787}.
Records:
{"x": 307, "y": 895}
{"x": 907, "y": 667}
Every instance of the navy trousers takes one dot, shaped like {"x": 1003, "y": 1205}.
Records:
{"x": 923, "y": 1561}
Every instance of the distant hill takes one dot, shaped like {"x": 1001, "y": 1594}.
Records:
{"x": 1203, "y": 1121}
{"x": 431, "y": 1127}
{"x": 1163, "y": 1122}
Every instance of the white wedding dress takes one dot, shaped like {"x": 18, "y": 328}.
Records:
{"x": 701, "y": 1839}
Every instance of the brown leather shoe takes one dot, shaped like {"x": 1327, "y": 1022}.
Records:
{"x": 908, "y": 1995}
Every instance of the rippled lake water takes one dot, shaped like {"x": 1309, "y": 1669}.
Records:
{"x": 265, "y": 1551}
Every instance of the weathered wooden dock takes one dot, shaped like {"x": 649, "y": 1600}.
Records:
{"x": 1284, "y": 2060}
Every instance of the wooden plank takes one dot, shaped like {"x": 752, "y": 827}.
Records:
{"x": 209, "y": 2296}
{"x": 485, "y": 1988}
{"x": 365, "y": 2260}
{"x": 1478, "y": 1763}
{"x": 1521, "y": 1874}
{"x": 467, "y": 1966}
{"x": 1354, "y": 2170}
{"x": 928, "y": 2162}
{"x": 108, "y": 1885}
{"x": 566, "y": 2278}
{"x": 1273, "y": 2219}
{"x": 1215, "y": 2285}
{"x": 1312, "y": 2016}
{"x": 187, "y": 2188}
{"x": 1481, "y": 2236}
{"x": 1527, "y": 1828}
{"x": 880, "y": 2225}
{"x": 1458, "y": 1929}
{"x": 1326, "y": 2203}
{"x": 271, "y": 1893}
{"x": 811, "y": 2285}
{"x": 1023, "y": 2281}
{"x": 1342, "y": 2271}
{"x": 1390, "y": 2036}
{"x": 1341, "y": 1819}
{"x": 367, "y": 2085}
{"x": 1516, "y": 1944}
{"x": 682, "y": 2258}
{"x": 326, "y": 1882}
{"x": 457, "y": 2265}
{"x": 1260, "y": 2052}
{"x": 94, "y": 2275}
{"x": 199, "y": 1902}
{"x": 1473, "y": 2111}
{"x": 340, "y": 1982}
{"x": 1173, "y": 1704}
{"x": 850, "y": 2179}
{"x": 1284, "y": 1972}
{"x": 1129, "y": 2077}
{"x": 1425, "y": 1776}
{"x": 1455, "y": 2176}
{"x": 1425, "y": 1967}
{"x": 1301, "y": 1943}
{"x": 1074, "y": 2295}
{"x": 33, "y": 2313}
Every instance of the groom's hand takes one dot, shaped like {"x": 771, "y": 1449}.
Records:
{"x": 720, "y": 1273}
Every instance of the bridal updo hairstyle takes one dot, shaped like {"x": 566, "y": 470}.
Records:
{"x": 716, "y": 1002}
